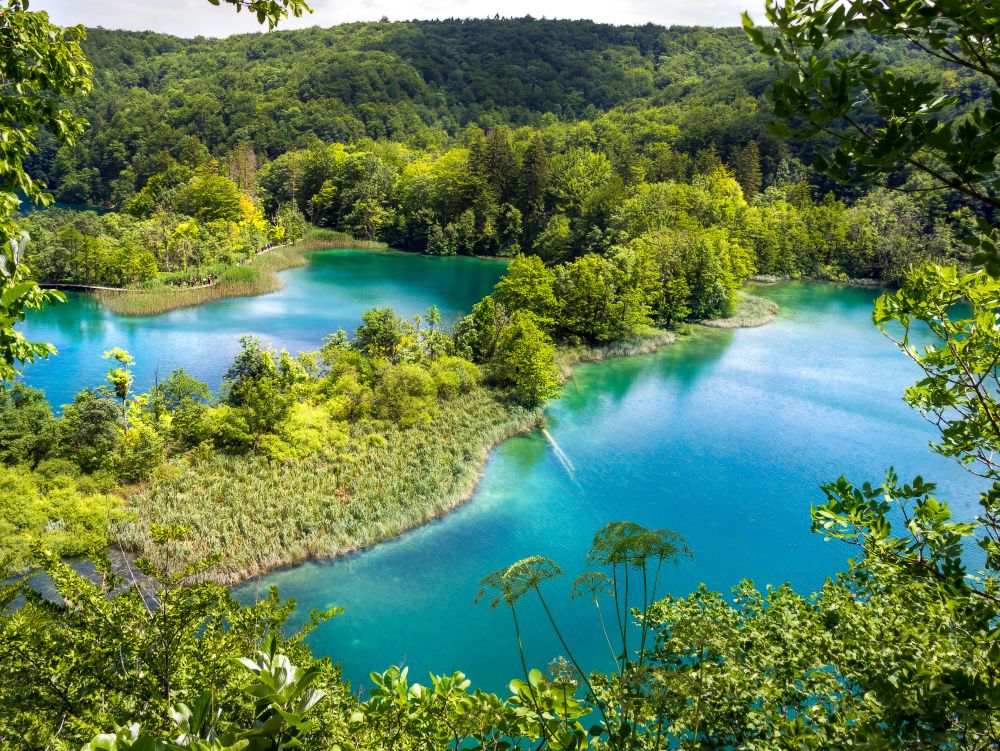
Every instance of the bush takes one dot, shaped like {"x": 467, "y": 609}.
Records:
{"x": 51, "y": 509}
{"x": 454, "y": 376}
{"x": 137, "y": 454}
{"x": 309, "y": 429}
{"x": 405, "y": 394}
{"x": 27, "y": 427}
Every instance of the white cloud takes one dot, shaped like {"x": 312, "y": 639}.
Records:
{"x": 193, "y": 17}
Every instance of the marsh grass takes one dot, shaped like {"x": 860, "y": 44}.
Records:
{"x": 259, "y": 276}
{"x": 751, "y": 311}
{"x": 262, "y": 515}
{"x": 644, "y": 342}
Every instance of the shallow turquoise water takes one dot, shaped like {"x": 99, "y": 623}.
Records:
{"x": 330, "y": 293}
{"x": 723, "y": 437}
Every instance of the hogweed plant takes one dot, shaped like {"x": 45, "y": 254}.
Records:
{"x": 633, "y": 559}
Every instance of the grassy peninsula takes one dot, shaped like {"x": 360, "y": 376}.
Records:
{"x": 750, "y": 311}
{"x": 321, "y": 453}
{"x": 261, "y": 514}
{"x": 374, "y": 483}
{"x": 371, "y": 486}
{"x": 257, "y": 276}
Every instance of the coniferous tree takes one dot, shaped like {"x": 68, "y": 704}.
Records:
{"x": 748, "y": 171}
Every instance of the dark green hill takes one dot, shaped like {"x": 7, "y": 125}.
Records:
{"x": 420, "y": 82}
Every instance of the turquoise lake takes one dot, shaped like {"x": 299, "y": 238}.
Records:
{"x": 723, "y": 437}
{"x": 331, "y": 292}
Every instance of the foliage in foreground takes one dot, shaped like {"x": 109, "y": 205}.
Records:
{"x": 113, "y": 645}
{"x": 768, "y": 669}
{"x": 887, "y": 121}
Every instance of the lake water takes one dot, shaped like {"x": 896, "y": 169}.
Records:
{"x": 723, "y": 437}
{"x": 330, "y": 293}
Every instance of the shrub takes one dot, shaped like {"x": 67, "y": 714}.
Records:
{"x": 454, "y": 376}
{"x": 405, "y": 394}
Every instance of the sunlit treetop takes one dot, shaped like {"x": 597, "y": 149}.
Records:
{"x": 271, "y": 11}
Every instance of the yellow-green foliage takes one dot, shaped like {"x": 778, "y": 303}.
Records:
{"x": 260, "y": 513}
{"x": 66, "y": 514}
{"x": 455, "y": 375}
{"x": 405, "y": 394}
{"x": 309, "y": 429}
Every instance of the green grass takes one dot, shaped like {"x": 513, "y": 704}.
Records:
{"x": 751, "y": 311}
{"x": 257, "y": 277}
{"x": 262, "y": 515}
{"x": 644, "y": 342}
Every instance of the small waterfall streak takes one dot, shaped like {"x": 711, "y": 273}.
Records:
{"x": 564, "y": 460}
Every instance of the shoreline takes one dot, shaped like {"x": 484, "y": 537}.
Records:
{"x": 259, "y": 276}
{"x": 752, "y": 311}
{"x": 467, "y": 472}
{"x": 858, "y": 283}
{"x": 239, "y": 578}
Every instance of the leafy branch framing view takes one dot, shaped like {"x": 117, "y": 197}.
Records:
{"x": 160, "y": 653}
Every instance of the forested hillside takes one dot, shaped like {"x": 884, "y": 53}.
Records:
{"x": 487, "y": 137}
{"x": 418, "y": 82}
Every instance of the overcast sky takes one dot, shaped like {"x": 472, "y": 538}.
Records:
{"x": 193, "y": 17}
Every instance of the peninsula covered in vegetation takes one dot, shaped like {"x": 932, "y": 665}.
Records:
{"x": 635, "y": 178}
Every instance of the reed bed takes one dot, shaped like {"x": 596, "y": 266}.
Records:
{"x": 751, "y": 311}
{"x": 644, "y": 342}
{"x": 259, "y": 276}
{"x": 263, "y": 515}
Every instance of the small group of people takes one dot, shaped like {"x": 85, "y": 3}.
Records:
{"x": 195, "y": 281}
{"x": 259, "y": 251}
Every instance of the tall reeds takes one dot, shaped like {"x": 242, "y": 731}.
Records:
{"x": 258, "y": 276}
{"x": 262, "y": 515}
{"x": 751, "y": 311}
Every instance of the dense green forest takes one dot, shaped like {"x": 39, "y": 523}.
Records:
{"x": 482, "y": 137}
{"x": 614, "y": 188}
{"x": 623, "y": 224}
{"x": 418, "y": 83}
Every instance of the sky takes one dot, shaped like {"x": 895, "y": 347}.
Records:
{"x": 192, "y": 17}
